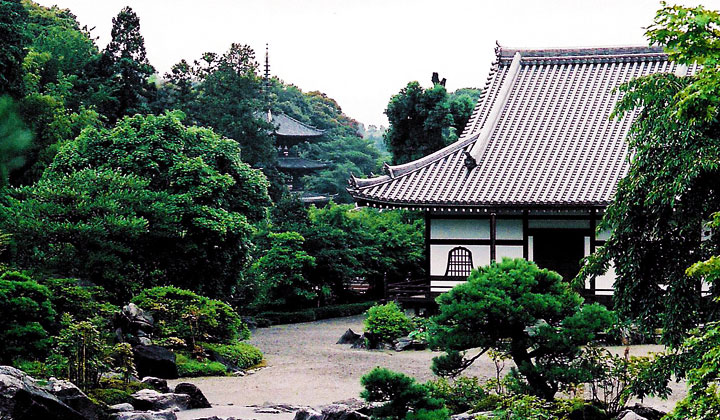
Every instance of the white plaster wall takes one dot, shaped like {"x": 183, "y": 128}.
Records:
{"x": 531, "y": 249}
{"x": 606, "y": 281}
{"x": 509, "y": 229}
{"x": 558, "y": 224}
{"x": 509, "y": 251}
{"x": 604, "y": 235}
{"x": 439, "y": 257}
{"x": 459, "y": 229}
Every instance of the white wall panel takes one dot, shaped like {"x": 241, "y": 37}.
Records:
{"x": 439, "y": 257}
{"x": 606, "y": 281}
{"x": 604, "y": 235}
{"x": 509, "y": 251}
{"x": 460, "y": 229}
{"x": 509, "y": 229}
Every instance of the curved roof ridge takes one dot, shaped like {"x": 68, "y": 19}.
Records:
{"x": 622, "y": 50}
{"x": 399, "y": 170}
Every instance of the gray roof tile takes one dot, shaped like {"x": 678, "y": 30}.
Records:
{"x": 553, "y": 142}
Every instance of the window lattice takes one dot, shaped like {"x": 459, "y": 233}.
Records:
{"x": 459, "y": 262}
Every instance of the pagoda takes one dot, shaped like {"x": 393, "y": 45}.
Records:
{"x": 289, "y": 132}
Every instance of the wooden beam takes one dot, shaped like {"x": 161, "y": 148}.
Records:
{"x": 593, "y": 242}
{"x": 493, "y": 237}
{"x": 427, "y": 246}
{"x": 526, "y": 244}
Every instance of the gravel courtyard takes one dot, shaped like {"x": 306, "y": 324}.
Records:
{"x": 306, "y": 367}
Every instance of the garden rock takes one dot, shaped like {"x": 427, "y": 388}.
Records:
{"x": 151, "y": 400}
{"x": 133, "y": 325}
{"x": 630, "y": 415}
{"x": 197, "y": 398}
{"x": 308, "y": 414}
{"x": 217, "y": 357}
{"x": 71, "y": 395}
{"x": 644, "y": 413}
{"x": 22, "y": 399}
{"x": 472, "y": 416}
{"x": 155, "y": 361}
{"x": 144, "y": 415}
{"x": 158, "y": 384}
{"x": 407, "y": 343}
{"x": 349, "y": 337}
{"x": 117, "y": 408}
{"x": 341, "y": 412}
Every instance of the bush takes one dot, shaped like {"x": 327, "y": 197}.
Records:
{"x": 276, "y": 318}
{"x": 191, "y": 368}
{"x": 27, "y": 315}
{"x": 191, "y": 317}
{"x": 114, "y": 391}
{"x": 460, "y": 395}
{"x": 388, "y": 322}
{"x": 401, "y": 395}
{"x": 83, "y": 303}
{"x": 243, "y": 355}
{"x": 337, "y": 311}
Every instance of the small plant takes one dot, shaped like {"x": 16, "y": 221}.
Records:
{"x": 191, "y": 368}
{"x": 124, "y": 361}
{"x": 242, "y": 355}
{"x": 459, "y": 395}
{"x": 388, "y": 322}
{"x": 81, "y": 353}
{"x": 404, "y": 398}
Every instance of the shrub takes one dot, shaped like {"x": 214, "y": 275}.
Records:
{"x": 401, "y": 394}
{"x": 27, "y": 315}
{"x": 337, "y": 311}
{"x": 523, "y": 312}
{"x": 114, "y": 391}
{"x": 460, "y": 395}
{"x": 81, "y": 353}
{"x": 243, "y": 355}
{"x": 276, "y": 318}
{"x": 191, "y": 368}
{"x": 191, "y": 317}
{"x": 388, "y": 322}
{"x": 83, "y": 303}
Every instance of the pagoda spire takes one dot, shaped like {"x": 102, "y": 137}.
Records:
{"x": 266, "y": 79}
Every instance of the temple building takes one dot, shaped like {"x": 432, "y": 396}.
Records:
{"x": 533, "y": 170}
{"x": 290, "y": 132}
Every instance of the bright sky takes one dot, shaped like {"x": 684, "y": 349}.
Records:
{"x": 361, "y": 52}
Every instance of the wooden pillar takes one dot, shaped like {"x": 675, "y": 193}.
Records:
{"x": 593, "y": 236}
{"x": 493, "y": 237}
{"x": 427, "y": 246}
{"x": 526, "y": 241}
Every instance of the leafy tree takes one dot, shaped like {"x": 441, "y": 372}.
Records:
{"x": 148, "y": 202}
{"x": 660, "y": 207}
{"x": 13, "y": 41}
{"x": 521, "y": 311}
{"x": 402, "y": 395}
{"x": 27, "y": 315}
{"x": 125, "y": 59}
{"x": 281, "y": 273}
{"x": 417, "y": 117}
{"x": 227, "y": 97}
{"x": 14, "y": 139}
{"x": 81, "y": 353}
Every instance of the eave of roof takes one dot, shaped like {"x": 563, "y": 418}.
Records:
{"x": 551, "y": 83}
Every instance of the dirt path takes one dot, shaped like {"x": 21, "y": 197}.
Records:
{"x": 306, "y": 367}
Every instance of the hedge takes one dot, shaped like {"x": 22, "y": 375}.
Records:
{"x": 264, "y": 319}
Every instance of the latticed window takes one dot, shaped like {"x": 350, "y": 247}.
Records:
{"x": 459, "y": 262}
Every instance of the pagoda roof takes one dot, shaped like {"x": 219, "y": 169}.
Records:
{"x": 294, "y": 162}
{"x": 290, "y": 127}
{"x": 540, "y": 135}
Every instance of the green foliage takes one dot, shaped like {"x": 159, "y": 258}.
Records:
{"x": 81, "y": 353}
{"x": 124, "y": 62}
{"x": 402, "y": 396}
{"x": 342, "y": 310}
{"x": 388, "y": 322}
{"x": 27, "y": 315}
{"x": 276, "y": 318}
{"x": 242, "y": 355}
{"x": 12, "y": 46}
{"x": 83, "y": 303}
{"x": 14, "y": 139}
{"x": 522, "y": 407}
{"x": 179, "y": 212}
{"x": 114, "y": 391}
{"x": 459, "y": 395}
{"x": 192, "y": 368}
{"x": 191, "y": 317}
{"x": 281, "y": 273}
{"x": 124, "y": 361}
{"x": 670, "y": 189}
{"x": 268, "y": 318}
{"x": 423, "y": 121}
{"x": 521, "y": 311}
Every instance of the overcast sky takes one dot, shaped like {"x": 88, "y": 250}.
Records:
{"x": 361, "y": 52}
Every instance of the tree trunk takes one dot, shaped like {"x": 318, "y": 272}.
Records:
{"x": 523, "y": 361}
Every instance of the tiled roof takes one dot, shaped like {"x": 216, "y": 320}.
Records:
{"x": 298, "y": 163}
{"x": 541, "y": 134}
{"x": 290, "y": 127}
